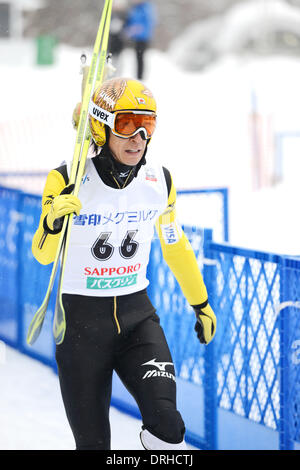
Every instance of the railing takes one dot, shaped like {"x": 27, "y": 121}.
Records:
{"x": 248, "y": 377}
{"x": 241, "y": 391}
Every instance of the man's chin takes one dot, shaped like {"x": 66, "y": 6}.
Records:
{"x": 131, "y": 159}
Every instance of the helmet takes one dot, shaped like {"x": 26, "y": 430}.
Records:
{"x": 117, "y": 98}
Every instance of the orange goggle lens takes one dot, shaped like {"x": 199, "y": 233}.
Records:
{"x": 126, "y": 124}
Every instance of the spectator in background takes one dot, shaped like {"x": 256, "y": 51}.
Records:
{"x": 116, "y": 34}
{"x": 139, "y": 29}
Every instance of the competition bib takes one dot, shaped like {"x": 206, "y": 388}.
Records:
{"x": 110, "y": 240}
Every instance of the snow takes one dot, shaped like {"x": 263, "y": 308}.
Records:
{"x": 247, "y": 27}
{"x": 253, "y": 19}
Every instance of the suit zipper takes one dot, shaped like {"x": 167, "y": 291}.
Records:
{"x": 115, "y": 315}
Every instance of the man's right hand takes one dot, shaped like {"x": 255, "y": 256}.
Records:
{"x": 62, "y": 205}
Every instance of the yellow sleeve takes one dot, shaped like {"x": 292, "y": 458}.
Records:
{"x": 44, "y": 244}
{"x": 179, "y": 255}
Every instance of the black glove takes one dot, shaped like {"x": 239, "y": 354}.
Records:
{"x": 206, "y": 324}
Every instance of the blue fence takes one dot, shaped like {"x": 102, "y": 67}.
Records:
{"x": 257, "y": 373}
{"x": 240, "y": 392}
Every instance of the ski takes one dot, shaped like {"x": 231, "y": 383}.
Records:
{"x": 82, "y": 144}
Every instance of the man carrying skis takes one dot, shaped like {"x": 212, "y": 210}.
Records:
{"x": 111, "y": 325}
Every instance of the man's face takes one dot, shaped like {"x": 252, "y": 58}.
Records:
{"x": 127, "y": 151}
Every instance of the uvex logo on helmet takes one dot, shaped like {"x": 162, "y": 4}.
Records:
{"x": 100, "y": 114}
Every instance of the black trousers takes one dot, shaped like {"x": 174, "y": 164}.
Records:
{"x": 121, "y": 334}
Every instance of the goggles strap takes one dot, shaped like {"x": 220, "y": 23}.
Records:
{"x": 101, "y": 114}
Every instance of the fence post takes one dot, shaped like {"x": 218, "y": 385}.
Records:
{"x": 151, "y": 270}
{"x": 225, "y": 214}
{"x": 284, "y": 426}
{"x": 210, "y": 362}
{"x": 19, "y": 260}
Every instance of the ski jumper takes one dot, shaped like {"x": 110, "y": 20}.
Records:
{"x": 111, "y": 324}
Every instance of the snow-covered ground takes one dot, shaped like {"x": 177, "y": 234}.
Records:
{"x": 32, "y": 415}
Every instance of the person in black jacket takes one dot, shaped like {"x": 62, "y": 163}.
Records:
{"x": 116, "y": 35}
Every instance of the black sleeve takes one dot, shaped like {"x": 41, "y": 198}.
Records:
{"x": 168, "y": 179}
{"x": 63, "y": 171}
{"x": 58, "y": 223}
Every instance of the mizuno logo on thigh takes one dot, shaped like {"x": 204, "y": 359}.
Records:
{"x": 159, "y": 371}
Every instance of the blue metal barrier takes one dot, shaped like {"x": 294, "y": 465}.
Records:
{"x": 247, "y": 292}
{"x": 290, "y": 354}
{"x": 23, "y": 281}
{"x": 241, "y": 391}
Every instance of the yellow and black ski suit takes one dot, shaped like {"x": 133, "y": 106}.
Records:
{"x": 122, "y": 334}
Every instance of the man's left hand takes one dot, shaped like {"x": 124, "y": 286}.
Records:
{"x": 206, "y": 324}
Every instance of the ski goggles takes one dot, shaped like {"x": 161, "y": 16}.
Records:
{"x": 125, "y": 123}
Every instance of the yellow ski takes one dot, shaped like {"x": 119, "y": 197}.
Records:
{"x": 82, "y": 143}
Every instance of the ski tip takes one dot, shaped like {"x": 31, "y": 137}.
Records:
{"x": 32, "y": 335}
{"x": 34, "y": 330}
{"x": 30, "y": 341}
